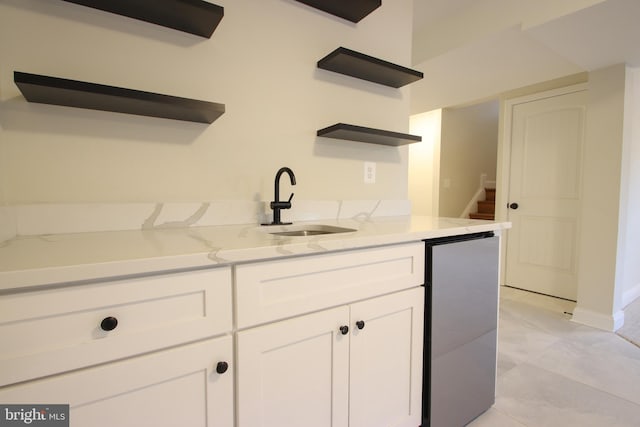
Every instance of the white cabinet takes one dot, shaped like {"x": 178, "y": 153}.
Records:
{"x": 176, "y": 387}
{"x": 53, "y": 330}
{"x": 295, "y": 372}
{"x": 386, "y": 361}
{"x": 326, "y": 340}
{"x": 277, "y": 289}
{"x": 131, "y": 352}
{"x": 344, "y": 348}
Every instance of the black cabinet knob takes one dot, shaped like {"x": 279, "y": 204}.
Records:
{"x": 360, "y": 324}
{"x": 109, "y": 323}
{"x": 222, "y": 367}
{"x": 513, "y": 206}
{"x": 344, "y": 330}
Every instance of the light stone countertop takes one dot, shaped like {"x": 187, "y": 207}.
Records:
{"x": 27, "y": 261}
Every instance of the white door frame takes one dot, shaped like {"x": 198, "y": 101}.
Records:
{"x": 503, "y": 170}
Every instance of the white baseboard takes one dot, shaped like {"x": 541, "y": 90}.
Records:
{"x": 597, "y": 320}
{"x": 631, "y": 295}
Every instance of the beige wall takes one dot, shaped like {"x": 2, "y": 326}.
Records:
{"x": 3, "y": 170}
{"x": 485, "y": 48}
{"x": 628, "y": 269}
{"x": 608, "y": 248}
{"x": 477, "y": 19}
{"x": 424, "y": 163}
{"x": 469, "y": 140}
{"x": 459, "y": 145}
{"x": 260, "y": 62}
{"x": 599, "y": 288}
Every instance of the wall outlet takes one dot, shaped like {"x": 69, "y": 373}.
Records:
{"x": 369, "y": 173}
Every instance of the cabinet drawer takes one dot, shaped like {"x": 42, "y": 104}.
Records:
{"x": 278, "y": 289}
{"x": 54, "y": 330}
{"x": 175, "y": 387}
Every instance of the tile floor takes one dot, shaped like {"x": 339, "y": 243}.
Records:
{"x": 553, "y": 372}
{"x": 631, "y": 328}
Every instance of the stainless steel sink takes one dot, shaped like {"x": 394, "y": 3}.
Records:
{"x": 310, "y": 230}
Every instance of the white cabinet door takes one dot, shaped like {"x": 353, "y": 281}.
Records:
{"x": 177, "y": 387}
{"x": 386, "y": 361}
{"x": 295, "y": 372}
{"x": 305, "y": 372}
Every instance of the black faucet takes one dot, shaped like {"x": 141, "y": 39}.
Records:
{"x": 277, "y": 205}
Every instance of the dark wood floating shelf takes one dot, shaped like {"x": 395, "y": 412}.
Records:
{"x": 359, "y": 65}
{"x": 351, "y": 10}
{"x": 370, "y": 135}
{"x": 191, "y": 16}
{"x": 73, "y": 93}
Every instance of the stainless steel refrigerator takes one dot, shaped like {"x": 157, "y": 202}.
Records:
{"x": 461, "y": 309}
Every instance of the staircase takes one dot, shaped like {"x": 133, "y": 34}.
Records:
{"x": 487, "y": 207}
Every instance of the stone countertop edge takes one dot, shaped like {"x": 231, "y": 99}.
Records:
{"x": 32, "y": 261}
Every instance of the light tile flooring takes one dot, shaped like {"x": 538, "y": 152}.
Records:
{"x": 553, "y": 372}
{"x": 631, "y": 328}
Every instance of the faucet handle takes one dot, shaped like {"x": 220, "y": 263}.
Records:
{"x": 283, "y": 204}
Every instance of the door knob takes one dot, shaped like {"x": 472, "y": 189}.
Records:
{"x": 360, "y": 324}
{"x": 222, "y": 367}
{"x": 109, "y": 323}
{"x": 513, "y": 206}
{"x": 344, "y": 330}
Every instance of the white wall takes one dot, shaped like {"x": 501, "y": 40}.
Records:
{"x": 628, "y": 268}
{"x": 599, "y": 287}
{"x": 424, "y": 163}
{"x": 471, "y": 50}
{"x": 468, "y": 149}
{"x": 448, "y": 29}
{"x": 260, "y": 62}
{"x": 8, "y": 227}
{"x": 608, "y": 248}
{"x": 458, "y": 145}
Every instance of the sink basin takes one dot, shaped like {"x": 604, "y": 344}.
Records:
{"x": 310, "y": 230}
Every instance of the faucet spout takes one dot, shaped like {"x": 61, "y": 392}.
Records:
{"x": 278, "y": 205}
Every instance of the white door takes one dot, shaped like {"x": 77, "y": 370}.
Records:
{"x": 183, "y": 386}
{"x": 386, "y": 360}
{"x": 295, "y": 372}
{"x": 547, "y": 140}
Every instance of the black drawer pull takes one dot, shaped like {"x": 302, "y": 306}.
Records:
{"x": 109, "y": 323}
